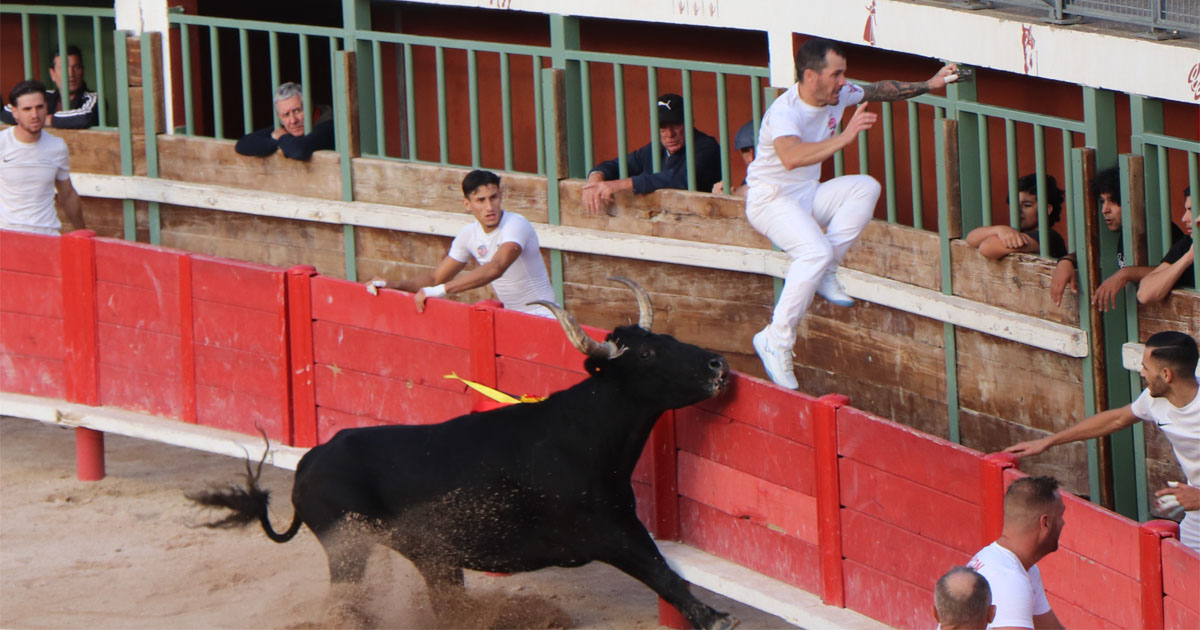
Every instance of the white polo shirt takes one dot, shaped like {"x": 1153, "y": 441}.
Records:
{"x": 28, "y": 172}
{"x": 1017, "y": 594}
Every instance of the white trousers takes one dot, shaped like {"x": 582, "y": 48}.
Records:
{"x": 816, "y": 231}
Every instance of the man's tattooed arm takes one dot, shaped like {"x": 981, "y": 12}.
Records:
{"x": 893, "y": 90}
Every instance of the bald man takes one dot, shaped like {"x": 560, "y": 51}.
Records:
{"x": 962, "y": 600}
{"x": 1033, "y": 522}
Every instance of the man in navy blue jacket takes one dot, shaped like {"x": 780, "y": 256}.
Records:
{"x": 290, "y": 137}
{"x": 604, "y": 180}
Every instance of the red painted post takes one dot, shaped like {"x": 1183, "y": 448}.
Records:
{"x": 79, "y": 317}
{"x": 829, "y": 497}
{"x": 284, "y": 358}
{"x": 187, "y": 342}
{"x": 670, "y": 617}
{"x": 664, "y": 473}
{"x": 300, "y": 329}
{"x": 89, "y": 454}
{"x": 991, "y": 494}
{"x": 482, "y": 324}
{"x": 1150, "y": 537}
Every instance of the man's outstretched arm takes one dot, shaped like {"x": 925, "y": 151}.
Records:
{"x": 900, "y": 90}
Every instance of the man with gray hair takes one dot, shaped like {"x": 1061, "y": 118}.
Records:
{"x": 962, "y": 600}
{"x": 290, "y": 137}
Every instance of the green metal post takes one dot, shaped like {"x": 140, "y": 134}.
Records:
{"x": 1085, "y": 322}
{"x": 550, "y": 148}
{"x": 564, "y": 37}
{"x": 185, "y": 48}
{"x": 506, "y": 111}
{"x": 914, "y": 158}
{"x": 889, "y": 162}
{"x": 969, "y": 166}
{"x": 98, "y": 63}
{"x": 305, "y": 75}
{"x": 410, "y": 108}
{"x": 1146, "y": 115}
{"x": 619, "y": 105}
{"x": 63, "y": 60}
{"x": 214, "y": 62}
{"x": 723, "y": 130}
{"x": 26, "y": 45}
{"x": 244, "y": 50}
{"x": 655, "y": 142}
{"x": 539, "y": 128}
{"x": 985, "y": 169}
{"x": 126, "y": 132}
{"x": 356, "y": 17}
{"x": 151, "y": 121}
{"x": 689, "y": 149}
{"x": 473, "y": 106}
{"x": 380, "y": 128}
{"x": 1128, "y": 447}
{"x": 949, "y": 337}
{"x": 443, "y": 130}
{"x": 1039, "y": 160}
{"x": 341, "y": 97}
{"x": 1010, "y": 148}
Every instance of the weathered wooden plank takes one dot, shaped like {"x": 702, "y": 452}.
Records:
{"x": 210, "y": 161}
{"x": 92, "y": 150}
{"x": 432, "y": 187}
{"x": 1067, "y": 463}
{"x": 1180, "y": 311}
{"x": 1018, "y": 282}
{"x": 665, "y": 278}
{"x": 898, "y": 252}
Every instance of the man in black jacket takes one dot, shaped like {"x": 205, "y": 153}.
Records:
{"x": 83, "y": 112}
{"x": 290, "y": 137}
{"x": 604, "y": 180}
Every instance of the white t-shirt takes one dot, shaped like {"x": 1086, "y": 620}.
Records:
{"x": 1017, "y": 594}
{"x": 526, "y": 279}
{"x": 1181, "y": 425}
{"x": 28, "y": 172}
{"x": 789, "y": 115}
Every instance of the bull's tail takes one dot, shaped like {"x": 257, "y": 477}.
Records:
{"x": 246, "y": 504}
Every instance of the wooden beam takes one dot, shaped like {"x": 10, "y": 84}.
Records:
{"x": 953, "y": 193}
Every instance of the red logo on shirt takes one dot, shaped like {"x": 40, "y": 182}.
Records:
{"x": 481, "y": 252}
{"x": 832, "y": 123}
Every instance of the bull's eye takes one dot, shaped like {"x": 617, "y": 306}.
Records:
{"x": 647, "y": 355}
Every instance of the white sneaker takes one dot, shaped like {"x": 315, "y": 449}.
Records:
{"x": 832, "y": 290}
{"x": 777, "y": 361}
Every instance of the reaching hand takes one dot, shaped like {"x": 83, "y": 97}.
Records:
{"x": 597, "y": 196}
{"x": 939, "y": 80}
{"x": 719, "y": 188}
{"x": 1106, "y": 294}
{"x": 1028, "y": 449}
{"x": 375, "y": 284}
{"x": 419, "y": 300}
{"x": 862, "y": 120}
{"x": 1064, "y": 274}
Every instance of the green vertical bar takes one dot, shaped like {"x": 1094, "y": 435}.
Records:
{"x": 564, "y": 39}
{"x": 98, "y": 56}
{"x": 970, "y": 172}
{"x": 550, "y": 148}
{"x": 839, "y": 157}
{"x": 864, "y": 153}
{"x": 619, "y": 105}
{"x": 244, "y": 49}
{"x": 125, "y": 129}
{"x": 341, "y": 96}
{"x": 380, "y": 128}
{"x": 756, "y": 106}
{"x": 1126, "y": 494}
{"x": 26, "y": 46}
{"x": 914, "y": 158}
{"x": 1146, "y": 116}
{"x": 410, "y": 102}
{"x": 949, "y": 337}
{"x": 214, "y": 63}
{"x": 305, "y": 75}
{"x": 985, "y": 173}
{"x": 539, "y": 129}
{"x": 1070, "y": 210}
{"x": 473, "y": 104}
{"x": 443, "y": 131}
{"x": 1194, "y": 184}
{"x": 149, "y": 90}
{"x": 655, "y": 143}
{"x": 1085, "y": 323}
{"x": 889, "y": 162}
{"x": 1159, "y": 246}
{"x": 1100, "y": 124}
{"x": 63, "y": 86}
{"x": 1010, "y": 148}
{"x": 723, "y": 130}
{"x": 189, "y": 110}
{"x": 273, "y": 46}
{"x": 689, "y": 149}
{"x": 506, "y": 111}
{"x": 585, "y": 84}
{"x": 1039, "y": 161}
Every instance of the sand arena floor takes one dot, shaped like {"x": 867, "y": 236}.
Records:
{"x": 126, "y": 552}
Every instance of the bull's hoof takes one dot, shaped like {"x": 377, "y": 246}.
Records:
{"x": 724, "y": 622}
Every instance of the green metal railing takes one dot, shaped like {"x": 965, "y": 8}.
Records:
{"x": 71, "y": 26}
{"x": 1159, "y": 152}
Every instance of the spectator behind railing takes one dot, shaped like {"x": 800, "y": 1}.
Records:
{"x": 82, "y": 103}
{"x": 1033, "y": 522}
{"x": 290, "y": 138}
{"x": 604, "y": 181}
{"x": 1177, "y": 266}
{"x": 1172, "y": 401}
{"x": 962, "y": 600}
{"x": 34, "y": 168}
{"x": 743, "y": 143}
{"x": 1107, "y": 186}
{"x": 997, "y": 241}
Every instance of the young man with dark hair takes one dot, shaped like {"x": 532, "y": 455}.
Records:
{"x": 997, "y": 241}
{"x": 605, "y": 179}
{"x": 82, "y": 103}
{"x": 1177, "y": 264}
{"x": 1172, "y": 401}
{"x": 962, "y": 600}
{"x": 34, "y": 167}
{"x": 1033, "y": 522}
{"x": 503, "y": 243}
{"x": 814, "y": 222}
{"x": 290, "y": 137}
{"x": 1106, "y": 185}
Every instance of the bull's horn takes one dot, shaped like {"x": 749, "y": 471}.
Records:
{"x": 645, "y": 308}
{"x": 580, "y": 339}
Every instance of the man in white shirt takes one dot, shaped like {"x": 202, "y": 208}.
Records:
{"x": 1033, "y": 522}
{"x": 34, "y": 165}
{"x": 503, "y": 243}
{"x": 1172, "y": 401}
{"x": 814, "y": 222}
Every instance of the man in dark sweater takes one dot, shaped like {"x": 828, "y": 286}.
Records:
{"x": 290, "y": 137}
{"x": 82, "y": 112}
{"x": 1177, "y": 268}
{"x": 604, "y": 181}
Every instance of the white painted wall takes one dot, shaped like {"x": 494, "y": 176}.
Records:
{"x": 1168, "y": 70}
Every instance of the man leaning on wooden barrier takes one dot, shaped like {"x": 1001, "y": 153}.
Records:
{"x": 1172, "y": 401}
{"x": 290, "y": 137}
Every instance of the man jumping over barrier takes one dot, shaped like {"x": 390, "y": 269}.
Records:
{"x": 814, "y": 222}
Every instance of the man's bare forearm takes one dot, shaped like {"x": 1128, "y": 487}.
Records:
{"x": 894, "y": 90}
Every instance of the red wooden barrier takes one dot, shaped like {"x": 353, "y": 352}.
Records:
{"x": 187, "y": 343}
{"x": 829, "y": 503}
{"x": 1181, "y": 583}
{"x": 991, "y": 494}
{"x": 300, "y": 327}
{"x": 1150, "y": 561}
{"x": 80, "y": 318}
{"x": 32, "y": 346}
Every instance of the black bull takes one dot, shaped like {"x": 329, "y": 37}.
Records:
{"x": 518, "y": 488}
